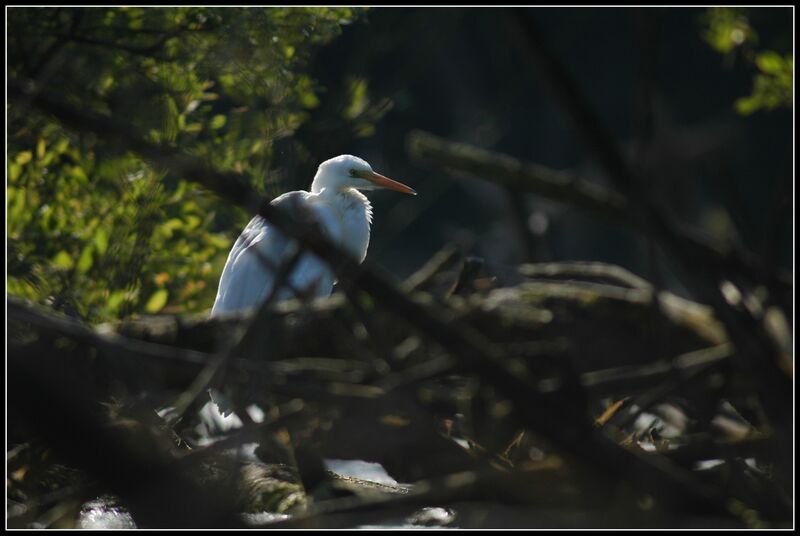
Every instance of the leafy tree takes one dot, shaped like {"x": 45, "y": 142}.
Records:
{"x": 772, "y": 85}
{"x": 93, "y": 229}
{"x": 728, "y": 30}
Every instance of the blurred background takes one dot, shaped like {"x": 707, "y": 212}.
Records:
{"x": 700, "y": 100}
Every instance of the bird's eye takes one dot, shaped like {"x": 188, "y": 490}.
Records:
{"x": 352, "y": 172}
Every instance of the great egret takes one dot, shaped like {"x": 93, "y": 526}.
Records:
{"x": 342, "y": 212}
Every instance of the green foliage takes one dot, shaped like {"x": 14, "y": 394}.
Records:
{"x": 93, "y": 229}
{"x": 772, "y": 86}
{"x": 95, "y": 238}
{"x": 728, "y": 30}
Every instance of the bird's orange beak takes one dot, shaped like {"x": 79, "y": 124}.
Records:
{"x": 385, "y": 182}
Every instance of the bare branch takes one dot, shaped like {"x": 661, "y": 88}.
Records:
{"x": 518, "y": 176}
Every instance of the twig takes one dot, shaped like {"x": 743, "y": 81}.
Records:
{"x": 585, "y": 271}
{"x": 469, "y": 271}
{"x": 624, "y": 380}
{"x": 440, "y": 261}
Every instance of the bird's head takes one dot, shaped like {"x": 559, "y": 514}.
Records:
{"x": 346, "y": 172}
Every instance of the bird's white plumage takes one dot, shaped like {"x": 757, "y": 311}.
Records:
{"x": 334, "y": 203}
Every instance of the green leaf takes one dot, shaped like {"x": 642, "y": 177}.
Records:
{"x": 24, "y": 157}
{"x": 101, "y": 240}
{"x": 227, "y": 80}
{"x": 157, "y": 301}
{"x": 41, "y": 146}
{"x": 115, "y": 300}
{"x": 308, "y": 100}
{"x": 14, "y": 171}
{"x": 192, "y": 221}
{"x": 746, "y": 105}
{"x": 86, "y": 259}
{"x": 218, "y": 121}
{"x": 728, "y": 28}
{"x": 769, "y": 62}
{"x": 170, "y": 227}
{"x": 63, "y": 260}
{"x": 78, "y": 174}
{"x": 218, "y": 241}
{"x": 62, "y": 146}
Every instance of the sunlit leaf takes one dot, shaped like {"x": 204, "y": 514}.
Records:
{"x": 769, "y": 62}
{"x": 746, "y": 105}
{"x": 23, "y": 158}
{"x": 115, "y": 300}
{"x": 218, "y": 241}
{"x": 14, "y": 171}
{"x": 63, "y": 260}
{"x": 157, "y": 301}
{"x": 727, "y": 29}
{"x": 101, "y": 240}
{"x": 308, "y": 100}
{"x": 192, "y": 221}
{"x": 218, "y": 121}
{"x": 77, "y": 173}
{"x": 41, "y": 146}
{"x": 86, "y": 259}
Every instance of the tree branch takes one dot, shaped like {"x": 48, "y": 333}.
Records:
{"x": 518, "y": 176}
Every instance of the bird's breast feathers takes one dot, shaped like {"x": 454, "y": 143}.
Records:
{"x": 356, "y": 218}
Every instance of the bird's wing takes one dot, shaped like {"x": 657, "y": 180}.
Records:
{"x": 249, "y": 270}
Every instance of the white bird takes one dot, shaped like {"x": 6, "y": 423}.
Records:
{"x": 338, "y": 208}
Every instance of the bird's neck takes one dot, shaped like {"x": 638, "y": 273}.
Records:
{"x": 345, "y": 200}
{"x": 354, "y": 212}
{"x": 351, "y": 201}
